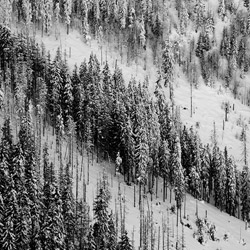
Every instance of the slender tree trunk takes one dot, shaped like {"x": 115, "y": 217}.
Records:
{"x": 156, "y": 191}
{"x": 159, "y": 237}
{"x": 170, "y": 194}
{"x": 67, "y": 28}
{"x": 134, "y": 195}
{"x": 88, "y": 168}
{"x": 177, "y": 216}
{"x": 185, "y": 201}
{"x": 164, "y": 189}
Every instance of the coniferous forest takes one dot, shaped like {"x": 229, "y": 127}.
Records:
{"x": 96, "y": 113}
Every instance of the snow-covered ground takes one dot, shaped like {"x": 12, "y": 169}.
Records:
{"x": 207, "y": 104}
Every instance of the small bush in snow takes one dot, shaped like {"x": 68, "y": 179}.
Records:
{"x": 172, "y": 209}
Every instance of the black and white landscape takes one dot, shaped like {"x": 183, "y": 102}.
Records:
{"x": 124, "y": 124}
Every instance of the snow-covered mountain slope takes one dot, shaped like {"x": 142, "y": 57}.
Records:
{"x": 207, "y": 104}
{"x": 238, "y": 237}
{"x": 207, "y": 101}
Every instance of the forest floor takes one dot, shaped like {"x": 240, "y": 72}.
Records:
{"x": 207, "y": 104}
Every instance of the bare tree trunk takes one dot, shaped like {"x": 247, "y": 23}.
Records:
{"x": 164, "y": 179}
{"x": 159, "y": 237}
{"x": 170, "y": 194}
{"x": 156, "y": 191}
{"x": 134, "y": 196}
{"x": 88, "y": 168}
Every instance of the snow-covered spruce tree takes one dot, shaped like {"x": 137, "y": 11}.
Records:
{"x": 68, "y": 214}
{"x": 167, "y": 64}
{"x": 27, "y": 144}
{"x": 66, "y": 95}
{"x": 112, "y": 238}
{"x": 48, "y": 13}
{"x": 199, "y": 10}
{"x": 184, "y": 18}
{"x": 53, "y": 232}
{"x": 59, "y": 130}
{"x": 54, "y": 88}
{"x": 23, "y": 216}
{"x": 214, "y": 158}
{"x": 118, "y": 113}
{"x": 141, "y": 147}
{"x": 220, "y": 184}
{"x": 124, "y": 243}
{"x": 101, "y": 215}
{"x": 47, "y": 175}
{"x": 91, "y": 244}
{"x": 222, "y": 10}
{"x": 91, "y": 94}
{"x": 77, "y": 103}
{"x": 176, "y": 169}
{"x": 246, "y": 3}
{"x": 244, "y": 140}
{"x": 57, "y": 19}
{"x": 191, "y": 155}
{"x": 128, "y": 145}
{"x": 225, "y": 44}
{"x": 203, "y": 44}
{"x": 154, "y": 142}
{"x": 204, "y": 174}
{"x": 230, "y": 185}
{"x": 107, "y": 102}
{"x": 248, "y": 24}
{"x": 9, "y": 217}
{"x": 6, "y": 12}
{"x": 165, "y": 122}
{"x": 185, "y": 156}
{"x": 245, "y": 180}
{"x": 27, "y": 13}
{"x": 67, "y": 7}
{"x": 21, "y": 87}
{"x": 245, "y": 190}
{"x": 242, "y": 57}
{"x": 209, "y": 25}
{"x": 233, "y": 51}
{"x": 7, "y": 190}
{"x": 195, "y": 174}
{"x": 164, "y": 163}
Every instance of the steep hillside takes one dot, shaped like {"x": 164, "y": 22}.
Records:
{"x": 146, "y": 102}
{"x": 207, "y": 104}
{"x": 207, "y": 101}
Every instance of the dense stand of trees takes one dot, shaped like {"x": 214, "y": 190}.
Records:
{"x": 39, "y": 211}
{"x": 107, "y": 117}
{"x": 136, "y": 26}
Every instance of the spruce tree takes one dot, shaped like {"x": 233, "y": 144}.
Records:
{"x": 230, "y": 186}
{"x": 167, "y": 64}
{"x": 225, "y": 44}
{"x": 101, "y": 215}
{"x": 184, "y": 19}
{"x": 222, "y": 9}
{"x": 68, "y": 209}
{"x": 124, "y": 243}
{"x": 245, "y": 190}
{"x": 67, "y": 6}
{"x": 31, "y": 182}
{"x": 199, "y": 10}
{"x": 177, "y": 170}
{"x": 23, "y": 221}
{"x": 66, "y": 95}
{"x": 246, "y": 3}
